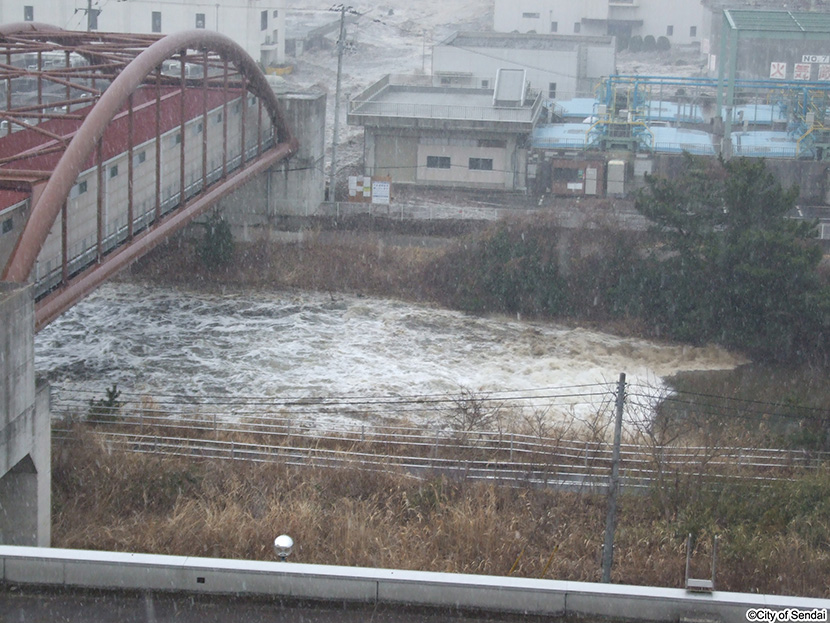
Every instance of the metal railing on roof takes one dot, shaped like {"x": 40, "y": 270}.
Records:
{"x": 368, "y": 108}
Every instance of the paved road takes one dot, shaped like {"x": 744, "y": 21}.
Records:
{"x": 33, "y": 604}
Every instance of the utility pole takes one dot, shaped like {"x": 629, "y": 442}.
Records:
{"x": 613, "y": 486}
{"x": 91, "y": 16}
{"x": 341, "y": 42}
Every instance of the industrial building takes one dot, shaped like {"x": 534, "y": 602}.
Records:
{"x": 257, "y": 27}
{"x": 680, "y": 21}
{"x": 558, "y": 66}
{"x": 443, "y": 136}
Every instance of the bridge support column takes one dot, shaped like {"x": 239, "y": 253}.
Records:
{"x": 25, "y": 427}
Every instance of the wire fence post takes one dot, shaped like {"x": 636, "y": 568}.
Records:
{"x": 613, "y": 486}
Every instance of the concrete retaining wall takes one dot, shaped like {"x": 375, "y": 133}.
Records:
{"x": 117, "y": 571}
{"x": 294, "y": 187}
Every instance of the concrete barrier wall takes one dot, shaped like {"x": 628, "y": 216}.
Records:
{"x": 118, "y": 571}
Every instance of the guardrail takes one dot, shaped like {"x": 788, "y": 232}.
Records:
{"x": 111, "y": 571}
{"x": 506, "y": 457}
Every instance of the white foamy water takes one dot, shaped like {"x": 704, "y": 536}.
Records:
{"x": 164, "y": 341}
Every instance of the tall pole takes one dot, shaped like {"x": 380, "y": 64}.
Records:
{"x": 613, "y": 487}
{"x": 340, "y": 44}
{"x": 89, "y": 15}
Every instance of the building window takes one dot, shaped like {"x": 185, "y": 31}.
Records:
{"x": 156, "y": 26}
{"x": 530, "y": 15}
{"x": 140, "y": 157}
{"x": 28, "y": 13}
{"x": 481, "y": 164}
{"x": 577, "y": 27}
{"x": 669, "y": 31}
{"x": 263, "y": 20}
{"x": 693, "y": 31}
{"x": 198, "y": 129}
{"x": 82, "y": 187}
{"x": 485, "y": 84}
{"x": 554, "y": 26}
{"x": 114, "y": 171}
{"x": 219, "y": 117}
{"x": 200, "y": 20}
{"x": 551, "y": 90}
{"x": 7, "y": 225}
{"x": 276, "y": 13}
{"x": 492, "y": 143}
{"x": 438, "y": 162}
{"x": 177, "y": 139}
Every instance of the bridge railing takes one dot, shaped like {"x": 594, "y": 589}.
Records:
{"x": 84, "y": 253}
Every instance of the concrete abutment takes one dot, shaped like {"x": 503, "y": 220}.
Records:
{"x": 25, "y": 431}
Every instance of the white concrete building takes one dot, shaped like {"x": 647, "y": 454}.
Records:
{"x": 438, "y": 136}
{"x": 681, "y": 21}
{"x": 256, "y": 25}
{"x": 558, "y": 66}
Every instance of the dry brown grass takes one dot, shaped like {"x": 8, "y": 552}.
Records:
{"x": 362, "y": 264}
{"x": 144, "y": 503}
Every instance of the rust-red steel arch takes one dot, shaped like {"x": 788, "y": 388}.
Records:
{"x": 50, "y": 202}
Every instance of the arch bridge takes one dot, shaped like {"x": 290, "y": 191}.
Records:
{"x": 110, "y": 143}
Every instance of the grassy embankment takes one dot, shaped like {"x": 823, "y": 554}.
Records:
{"x": 773, "y": 539}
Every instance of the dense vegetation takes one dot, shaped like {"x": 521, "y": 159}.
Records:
{"x": 724, "y": 265}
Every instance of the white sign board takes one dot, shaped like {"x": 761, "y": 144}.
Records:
{"x": 380, "y": 192}
{"x": 815, "y": 58}
{"x": 824, "y": 72}
{"x": 778, "y": 70}
{"x": 801, "y": 71}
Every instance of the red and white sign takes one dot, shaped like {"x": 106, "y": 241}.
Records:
{"x": 778, "y": 70}
{"x": 801, "y": 71}
{"x": 824, "y": 72}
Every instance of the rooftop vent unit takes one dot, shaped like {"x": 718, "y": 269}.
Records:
{"x": 511, "y": 88}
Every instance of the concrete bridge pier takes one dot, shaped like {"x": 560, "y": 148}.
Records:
{"x": 25, "y": 431}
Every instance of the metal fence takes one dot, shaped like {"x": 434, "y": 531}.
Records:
{"x": 504, "y": 457}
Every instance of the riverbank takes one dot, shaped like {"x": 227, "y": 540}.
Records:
{"x": 772, "y": 538}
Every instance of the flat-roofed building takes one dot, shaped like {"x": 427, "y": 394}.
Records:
{"x": 681, "y": 21}
{"x": 417, "y": 133}
{"x": 259, "y": 27}
{"x": 559, "y": 66}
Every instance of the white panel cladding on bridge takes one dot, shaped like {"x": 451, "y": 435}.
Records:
{"x": 82, "y": 213}
{"x": 119, "y": 571}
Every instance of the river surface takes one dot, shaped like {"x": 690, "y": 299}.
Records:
{"x": 254, "y": 347}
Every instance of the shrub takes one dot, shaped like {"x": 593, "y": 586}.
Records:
{"x": 635, "y": 44}
{"x": 217, "y": 245}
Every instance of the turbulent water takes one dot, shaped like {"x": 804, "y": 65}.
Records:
{"x": 236, "y": 344}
